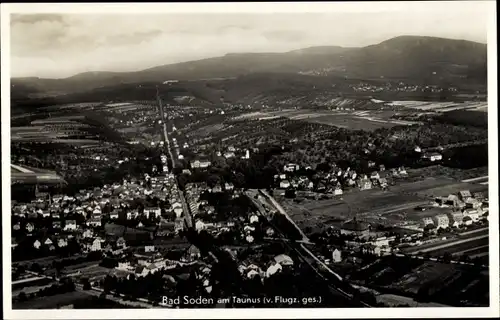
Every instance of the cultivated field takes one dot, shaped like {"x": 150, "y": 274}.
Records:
{"x": 356, "y": 120}
{"x": 442, "y": 106}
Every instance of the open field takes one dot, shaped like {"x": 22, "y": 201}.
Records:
{"x": 442, "y": 106}
{"x": 391, "y": 207}
{"x": 458, "y": 284}
{"x": 52, "y": 302}
{"x": 356, "y": 120}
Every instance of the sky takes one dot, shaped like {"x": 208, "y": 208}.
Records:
{"x": 58, "y": 45}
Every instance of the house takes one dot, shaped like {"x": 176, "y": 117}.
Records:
{"x": 471, "y": 203}
{"x": 452, "y": 200}
{"x": 178, "y": 212}
{"x": 228, "y": 186}
{"x": 364, "y": 184}
{"x": 120, "y": 243}
{"x": 464, "y": 195}
{"x": 152, "y": 212}
{"x": 371, "y": 249}
{"x": 179, "y": 225}
{"x": 62, "y": 243}
{"x": 375, "y": 175}
{"x": 199, "y": 225}
{"x": 132, "y": 215}
{"x": 338, "y": 191}
{"x": 254, "y": 218}
{"x": 228, "y": 155}
{"x": 283, "y": 260}
{"x": 141, "y": 271}
{"x": 432, "y": 156}
{"x": 30, "y": 227}
{"x": 37, "y": 244}
{"x": 193, "y": 252}
{"x": 381, "y": 168}
{"x": 291, "y": 167}
{"x": 217, "y": 188}
{"x": 114, "y": 215}
{"x": 336, "y": 256}
{"x": 195, "y": 164}
{"x": 442, "y": 221}
{"x": 474, "y": 214}
{"x": 402, "y": 171}
{"x": 149, "y": 248}
{"x": 176, "y": 204}
{"x": 70, "y": 225}
{"x": 371, "y": 164}
{"x": 272, "y": 269}
{"x": 48, "y": 242}
{"x": 467, "y": 221}
{"x": 284, "y": 184}
{"x": 383, "y": 182}
{"x": 427, "y": 222}
{"x": 320, "y": 187}
{"x": 96, "y": 244}
{"x": 456, "y": 219}
{"x": 270, "y": 232}
{"x": 94, "y": 222}
{"x": 88, "y": 233}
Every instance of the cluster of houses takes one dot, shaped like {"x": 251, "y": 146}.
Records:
{"x": 89, "y": 210}
{"x": 204, "y": 214}
{"x": 461, "y": 209}
{"x": 335, "y": 181}
{"x": 400, "y": 87}
{"x": 279, "y": 263}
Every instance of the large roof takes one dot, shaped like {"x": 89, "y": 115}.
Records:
{"x": 283, "y": 259}
{"x": 354, "y": 225}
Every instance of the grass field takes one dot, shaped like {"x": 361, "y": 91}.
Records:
{"x": 392, "y": 207}
{"x": 52, "y": 302}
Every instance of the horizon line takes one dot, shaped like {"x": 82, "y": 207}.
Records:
{"x": 241, "y": 53}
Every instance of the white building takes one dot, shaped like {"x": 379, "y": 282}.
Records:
{"x": 70, "y": 225}
{"x": 284, "y": 184}
{"x": 96, "y": 244}
{"x": 337, "y": 256}
{"x": 152, "y": 212}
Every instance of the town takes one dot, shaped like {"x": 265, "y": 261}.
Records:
{"x": 122, "y": 231}
{"x": 307, "y": 160}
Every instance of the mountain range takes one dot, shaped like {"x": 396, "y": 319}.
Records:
{"x": 412, "y": 59}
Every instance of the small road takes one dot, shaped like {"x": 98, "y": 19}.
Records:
{"x": 456, "y": 145}
{"x": 452, "y": 243}
{"x": 306, "y": 255}
{"x": 283, "y": 212}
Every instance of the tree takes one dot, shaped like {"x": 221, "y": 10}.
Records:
{"x": 447, "y": 257}
{"x": 22, "y": 296}
{"x": 86, "y": 284}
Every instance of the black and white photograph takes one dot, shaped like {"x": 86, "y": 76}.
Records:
{"x": 158, "y": 159}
